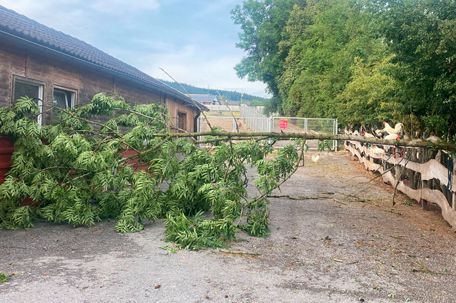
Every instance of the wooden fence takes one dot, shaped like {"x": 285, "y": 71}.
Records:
{"x": 424, "y": 175}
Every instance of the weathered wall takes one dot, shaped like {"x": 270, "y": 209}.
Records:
{"x": 53, "y": 72}
{"x": 174, "y": 108}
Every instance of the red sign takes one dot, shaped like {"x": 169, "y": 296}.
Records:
{"x": 283, "y": 124}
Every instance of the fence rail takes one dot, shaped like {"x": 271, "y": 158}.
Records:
{"x": 252, "y": 119}
{"x": 424, "y": 175}
{"x": 258, "y": 122}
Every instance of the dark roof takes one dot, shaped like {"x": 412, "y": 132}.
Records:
{"x": 21, "y": 27}
{"x": 207, "y": 98}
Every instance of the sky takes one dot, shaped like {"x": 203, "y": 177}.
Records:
{"x": 193, "y": 40}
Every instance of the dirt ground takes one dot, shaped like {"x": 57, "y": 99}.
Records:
{"x": 334, "y": 238}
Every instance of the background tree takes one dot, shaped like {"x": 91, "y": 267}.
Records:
{"x": 371, "y": 95}
{"x": 262, "y": 23}
{"x": 360, "y": 61}
{"x": 422, "y": 34}
{"x": 327, "y": 38}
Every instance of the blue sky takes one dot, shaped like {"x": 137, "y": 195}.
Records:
{"x": 193, "y": 40}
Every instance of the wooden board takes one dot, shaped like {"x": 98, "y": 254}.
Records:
{"x": 429, "y": 170}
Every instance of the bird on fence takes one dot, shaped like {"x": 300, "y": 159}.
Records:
{"x": 388, "y": 130}
{"x": 396, "y": 130}
{"x": 392, "y": 137}
{"x": 364, "y": 133}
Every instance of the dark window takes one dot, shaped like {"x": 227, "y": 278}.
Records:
{"x": 31, "y": 90}
{"x": 23, "y": 89}
{"x": 182, "y": 120}
{"x": 63, "y": 98}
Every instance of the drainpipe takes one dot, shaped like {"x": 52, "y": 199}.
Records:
{"x": 196, "y": 126}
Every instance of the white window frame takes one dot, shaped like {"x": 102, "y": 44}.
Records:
{"x": 40, "y": 104}
{"x": 72, "y": 91}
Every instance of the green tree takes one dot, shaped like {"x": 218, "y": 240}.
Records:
{"x": 422, "y": 34}
{"x": 262, "y": 23}
{"x": 371, "y": 95}
{"x": 326, "y": 39}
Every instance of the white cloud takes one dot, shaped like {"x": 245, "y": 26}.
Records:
{"x": 217, "y": 6}
{"x": 75, "y": 17}
{"x": 62, "y": 15}
{"x": 199, "y": 64}
{"x": 43, "y": 10}
{"x": 195, "y": 66}
{"x": 121, "y": 7}
{"x": 52, "y": 8}
{"x": 79, "y": 18}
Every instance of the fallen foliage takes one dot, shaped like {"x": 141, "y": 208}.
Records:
{"x": 112, "y": 160}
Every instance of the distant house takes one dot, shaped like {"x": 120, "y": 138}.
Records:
{"x": 204, "y": 98}
{"x": 55, "y": 68}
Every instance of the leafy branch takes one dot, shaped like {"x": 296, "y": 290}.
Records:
{"x": 111, "y": 160}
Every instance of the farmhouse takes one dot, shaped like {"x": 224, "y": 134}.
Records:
{"x": 60, "y": 70}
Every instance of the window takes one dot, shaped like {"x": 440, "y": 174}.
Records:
{"x": 182, "y": 121}
{"x": 31, "y": 90}
{"x": 64, "y": 98}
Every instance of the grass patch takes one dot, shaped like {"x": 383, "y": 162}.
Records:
{"x": 4, "y": 277}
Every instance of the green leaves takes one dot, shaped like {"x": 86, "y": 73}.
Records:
{"x": 102, "y": 105}
{"x": 262, "y": 24}
{"x": 258, "y": 219}
{"x": 359, "y": 61}
{"x": 26, "y": 106}
{"x": 422, "y": 35}
{"x": 21, "y": 217}
{"x": 81, "y": 171}
{"x": 197, "y": 232}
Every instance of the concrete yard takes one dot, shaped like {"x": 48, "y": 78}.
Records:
{"x": 335, "y": 237}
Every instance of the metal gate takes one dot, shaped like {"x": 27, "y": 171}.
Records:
{"x": 252, "y": 119}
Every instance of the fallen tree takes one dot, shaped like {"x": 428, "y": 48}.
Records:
{"x": 440, "y": 145}
{"x": 133, "y": 169}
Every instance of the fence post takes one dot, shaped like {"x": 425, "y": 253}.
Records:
{"x": 453, "y": 202}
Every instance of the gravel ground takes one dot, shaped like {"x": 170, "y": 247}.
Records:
{"x": 334, "y": 238}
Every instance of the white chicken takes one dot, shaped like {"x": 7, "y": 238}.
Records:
{"x": 315, "y": 158}
{"x": 396, "y": 130}
{"x": 392, "y": 137}
{"x": 368, "y": 135}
